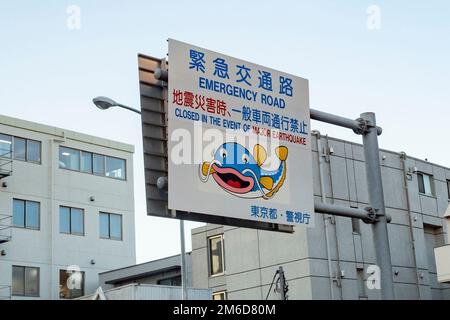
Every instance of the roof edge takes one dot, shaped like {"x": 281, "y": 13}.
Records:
{"x": 64, "y": 133}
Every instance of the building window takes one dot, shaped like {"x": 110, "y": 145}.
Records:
{"x": 110, "y": 226}
{"x": 69, "y": 159}
{"x": 115, "y": 168}
{"x": 425, "y": 184}
{"x": 71, "y": 284}
{"x": 448, "y": 189}
{"x": 25, "y": 281}
{"x": 20, "y": 148}
{"x": 5, "y": 146}
{"x": 216, "y": 255}
{"x": 174, "y": 281}
{"x": 220, "y": 295}
{"x": 33, "y": 151}
{"x": 71, "y": 220}
{"x": 26, "y": 214}
{"x": 99, "y": 164}
{"x": 88, "y": 162}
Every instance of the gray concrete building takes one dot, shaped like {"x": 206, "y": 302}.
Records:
{"x": 331, "y": 260}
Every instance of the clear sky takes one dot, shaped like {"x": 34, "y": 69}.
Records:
{"x": 395, "y": 63}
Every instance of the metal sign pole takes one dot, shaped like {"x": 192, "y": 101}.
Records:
{"x": 376, "y": 213}
{"x": 183, "y": 262}
{"x": 376, "y": 198}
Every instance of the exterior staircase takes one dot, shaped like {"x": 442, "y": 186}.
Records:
{"x": 5, "y": 228}
{"x": 5, "y": 163}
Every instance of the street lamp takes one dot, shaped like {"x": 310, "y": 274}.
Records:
{"x": 105, "y": 103}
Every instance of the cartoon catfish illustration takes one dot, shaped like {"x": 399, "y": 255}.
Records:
{"x": 239, "y": 172}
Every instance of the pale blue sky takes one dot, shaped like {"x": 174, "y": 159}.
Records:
{"x": 49, "y": 73}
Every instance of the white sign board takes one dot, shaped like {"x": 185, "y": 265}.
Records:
{"x": 239, "y": 139}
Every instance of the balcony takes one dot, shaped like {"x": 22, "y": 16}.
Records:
{"x": 442, "y": 255}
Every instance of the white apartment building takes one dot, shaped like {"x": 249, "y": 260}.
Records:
{"x": 66, "y": 210}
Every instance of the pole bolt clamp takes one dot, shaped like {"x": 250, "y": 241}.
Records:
{"x": 371, "y": 215}
{"x": 363, "y": 127}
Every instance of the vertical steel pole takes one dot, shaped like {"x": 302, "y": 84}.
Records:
{"x": 376, "y": 198}
{"x": 183, "y": 262}
{"x": 282, "y": 283}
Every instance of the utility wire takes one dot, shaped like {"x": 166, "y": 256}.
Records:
{"x": 271, "y": 285}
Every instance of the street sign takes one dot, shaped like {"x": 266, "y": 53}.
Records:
{"x": 238, "y": 139}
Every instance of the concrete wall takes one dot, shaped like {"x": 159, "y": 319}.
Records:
{"x": 253, "y": 256}
{"x": 46, "y": 183}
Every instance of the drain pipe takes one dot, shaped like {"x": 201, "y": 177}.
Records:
{"x": 326, "y": 219}
{"x": 408, "y": 206}
{"x": 333, "y": 219}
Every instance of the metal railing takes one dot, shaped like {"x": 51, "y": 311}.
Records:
{"x": 5, "y": 292}
{"x": 5, "y": 228}
{"x": 6, "y": 160}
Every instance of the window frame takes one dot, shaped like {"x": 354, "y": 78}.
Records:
{"x": 13, "y": 151}
{"x": 172, "y": 279}
{"x": 109, "y": 226}
{"x": 421, "y": 179}
{"x": 103, "y": 174}
{"x": 70, "y": 221}
{"x": 448, "y": 189}
{"x": 13, "y": 145}
{"x": 220, "y": 293}
{"x": 79, "y": 159}
{"x": 221, "y": 237}
{"x": 92, "y": 156}
{"x": 25, "y": 215}
{"x": 116, "y": 158}
{"x": 26, "y": 151}
{"x": 25, "y": 281}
